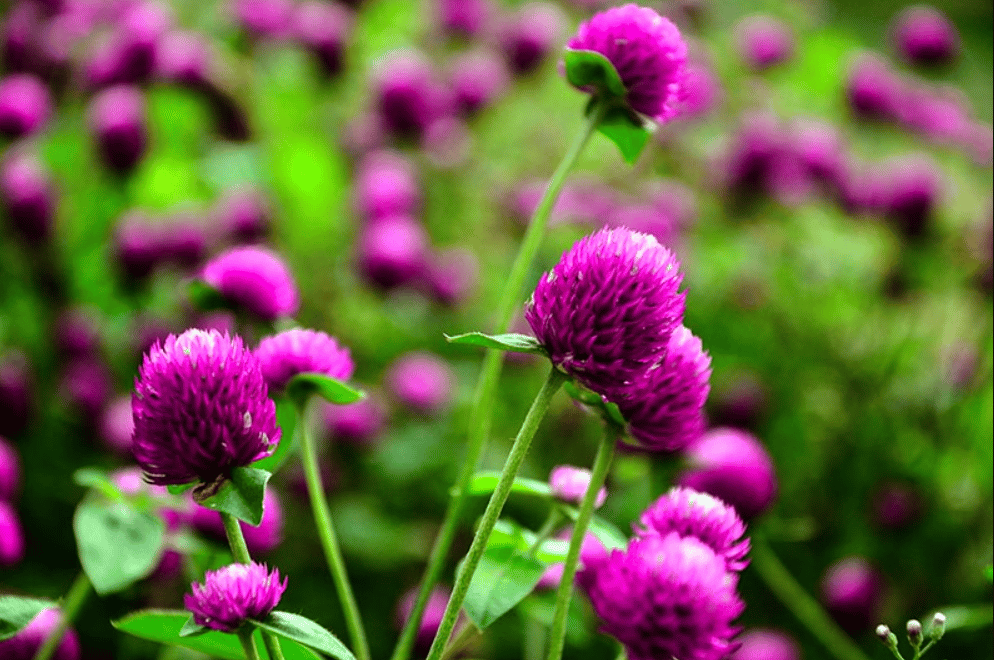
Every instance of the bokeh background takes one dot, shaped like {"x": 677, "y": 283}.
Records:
{"x": 837, "y": 258}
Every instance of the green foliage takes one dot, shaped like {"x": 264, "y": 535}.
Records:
{"x": 302, "y": 386}
{"x": 513, "y": 342}
{"x": 240, "y": 496}
{"x": 17, "y": 612}
{"x": 303, "y": 630}
{"x": 117, "y": 543}
{"x": 507, "y": 573}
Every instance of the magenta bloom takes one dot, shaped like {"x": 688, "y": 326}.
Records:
{"x": 11, "y": 537}
{"x": 393, "y": 251}
{"x": 873, "y": 89}
{"x": 409, "y": 96}
{"x": 260, "y": 539}
{"x": 647, "y": 51}
{"x": 665, "y": 596}
{"x": 421, "y": 381}
{"x": 664, "y": 407}
{"x": 85, "y": 385}
{"x": 359, "y": 423}
{"x": 913, "y": 195}
{"x": 451, "y": 275}
{"x": 700, "y": 516}
{"x": 138, "y": 245}
{"x": 530, "y": 35}
{"x": 386, "y": 185}
{"x": 765, "y": 644}
{"x": 25, "y": 644}
{"x": 732, "y": 465}
{"x": 298, "y": 351}
{"x": 76, "y": 333}
{"x": 851, "y": 589}
{"x": 764, "y": 41}
{"x": 234, "y": 593}
{"x": 569, "y": 484}
{"x": 605, "y": 313}
{"x": 324, "y": 28}
{"x": 591, "y": 552}
{"x": 184, "y": 58}
{"x": 478, "y": 78}
{"x": 25, "y": 104}
{"x": 244, "y": 215}
{"x": 28, "y": 197}
{"x": 10, "y": 471}
{"x": 255, "y": 279}
{"x": 201, "y": 408}
{"x": 463, "y": 18}
{"x": 264, "y": 18}
{"x": 924, "y": 35}
{"x": 117, "y": 120}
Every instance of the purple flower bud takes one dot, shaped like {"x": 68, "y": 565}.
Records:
{"x": 117, "y": 426}
{"x": 76, "y": 333}
{"x": 408, "y": 95}
{"x": 700, "y": 90}
{"x": 421, "y": 381}
{"x": 851, "y": 590}
{"x": 647, "y": 51}
{"x": 701, "y": 516}
{"x": 25, "y": 105}
{"x": 19, "y": 37}
{"x": 260, "y": 539}
{"x": 298, "y": 351}
{"x": 25, "y": 644}
{"x": 592, "y": 551}
{"x": 28, "y": 196}
{"x": 359, "y": 423}
{"x": 764, "y": 41}
{"x": 234, "y": 593}
{"x": 464, "y": 18}
{"x": 386, "y": 185}
{"x": 85, "y": 386}
{"x": 873, "y": 90}
{"x": 430, "y": 620}
{"x": 765, "y": 644}
{"x": 117, "y": 120}
{"x": 569, "y": 484}
{"x": 256, "y": 280}
{"x": 924, "y": 36}
{"x": 127, "y": 54}
{"x": 16, "y": 397}
{"x": 530, "y": 34}
{"x": 324, "y": 28}
{"x": 184, "y": 239}
{"x": 732, "y": 465}
{"x": 478, "y": 78}
{"x": 264, "y": 18}
{"x": 665, "y": 596}
{"x": 914, "y": 191}
{"x": 200, "y": 409}
{"x": 138, "y": 245}
{"x": 10, "y": 471}
{"x": 393, "y": 251}
{"x": 895, "y": 506}
{"x": 819, "y": 148}
{"x": 451, "y": 275}
{"x": 244, "y": 215}
{"x": 11, "y": 538}
{"x": 605, "y": 313}
{"x": 184, "y": 58}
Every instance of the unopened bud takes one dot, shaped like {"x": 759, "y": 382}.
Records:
{"x": 886, "y": 636}
{"x": 938, "y": 626}
{"x": 915, "y": 632}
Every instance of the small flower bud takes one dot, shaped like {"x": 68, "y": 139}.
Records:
{"x": 938, "y": 626}
{"x": 886, "y": 636}
{"x": 915, "y": 632}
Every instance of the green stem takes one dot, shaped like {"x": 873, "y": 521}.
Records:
{"x": 545, "y": 531}
{"x": 78, "y": 592}
{"x": 602, "y": 462}
{"x": 797, "y": 600}
{"x": 329, "y": 541}
{"x": 486, "y": 385}
{"x": 248, "y": 643}
{"x": 460, "y": 641}
{"x": 514, "y": 459}
{"x": 272, "y": 644}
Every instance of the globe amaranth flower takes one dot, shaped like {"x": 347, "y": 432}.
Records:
{"x": 766, "y": 644}
{"x": 200, "y": 409}
{"x": 254, "y": 279}
{"x": 421, "y": 381}
{"x": 701, "y": 516}
{"x": 764, "y": 41}
{"x": 851, "y": 590}
{"x": 569, "y": 484}
{"x": 118, "y": 124}
{"x": 664, "y": 406}
{"x": 234, "y": 593}
{"x": 665, "y": 597}
{"x": 646, "y": 50}
{"x": 925, "y": 36}
{"x": 605, "y": 313}
{"x": 25, "y": 104}
{"x": 298, "y": 351}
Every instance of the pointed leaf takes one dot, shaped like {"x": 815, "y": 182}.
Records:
{"x": 286, "y": 419}
{"x": 588, "y": 69}
{"x": 484, "y": 483}
{"x": 511, "y": 341}
{"x": 307, "y": 632}
{"x": 191, "y": 628}
{"x": 205, "y": 297}
{"x": 302, "y": 386}
{"x": 98, "y": 480}
{"x": 117, "y": 543}
{"x": 181, "y": 488}
{"x": 504, "y": 576}
{"x": 240, "y": 496}
{"x": 17, "y": 612}
{"x": 627, "y": 132}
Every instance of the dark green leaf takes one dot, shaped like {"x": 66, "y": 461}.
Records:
{"x": 484, "y": 483}
{"x": 504, "y": 576}
{"x": 205, "y": 297}
{"x": 286, "y": 419}
{"x": 507, "y": 342}
{"x": 626, "y": 130}
{"x": 608, "y": 411}
{"x": 302, "y": 386}
{"x": 181, "y": 488}
{"x": 98, "y": 480}
{"x": 191, "y": 628}
{"x": 117, "y": 544}
{"x": 589, "y": 69}
{"x": 240, "y": 496}
{"x": 307, "y": 632}
{"x": 17, "y": 612}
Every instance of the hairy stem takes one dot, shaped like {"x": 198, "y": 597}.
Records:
{"x": 248, "y": 643}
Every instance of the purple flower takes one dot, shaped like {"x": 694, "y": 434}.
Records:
{"x": 264, "y": 18}
{"x": 16, "y": 393}
{"x": 408, "y": 95}
{"x": 25, "y": 644}
{"x": 86, "y": 385}
{"x": 117, "y": 120}
{"x": 256, "y": 280}
{"x": 851, "y": 590}
{"x": 873, "y": 90}
{"x": 25, "y": 104}
{"x": 184, "y": 239}
{"x": 766, "y": 644}
{"x": 358, "y": 423}
{"x": 742, "y": 402}
{"x": 605, "y": 313}
{"x": 184, "y": 58}
{"x": 201, "y": 409}
{"x": 117, "y": 426}
{"x": 895, "y": 506}
{"x": 530, "y": 34}
{"x": 421, "y": 381}
{"x": 647, "y": 51}
{"x": 260, "y": 539}
{"x": 393, "y": 251}
{"x": 19, "y": 37}
{"x": 664, "y": 406}
{"x": 10, "y": 471}
{"x": 138, "y": 245}
{"x": 914, "y": 191}
{"x": 478, "y": 78}
{"x": 76, "y": 333}
{"x": 764, "y": 41}
{"x": 732, "y": 465}
{"x": 11, "y": 537}
{"x": 665, "y": 596}
{"x": 324, "y": 28}
{"x": 569, "y": 484}
{"x": 386, "y": 185}
{"x": 298, "y": 351}
{"x": 591, "y": 552}
{"x": 244, "y": 215}
{"x": 28, "y": 196}
{"x": 701, "y": 516}
{"x": 234, "y": 593}
{"x": 924, "y": 36}
{"x": 451, "y": 275}
{"x": 127, "y": 54}
{"x": 447, "y": 142}
{"x": 464, "y": 18}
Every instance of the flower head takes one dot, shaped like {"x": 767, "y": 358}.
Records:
{"x": 201, "y": 409}
{"x": 255, "y": 279}
{"x": 298, "y": 351}
{"x": 665, "y": 596}
{"x": 606, "y": 311}
{"x": 569, "y": 484}
{"x": 764, "y": 41}
{"x": 234, "y": 593}
{"x": 25, "y": 104}
{"x": 324, "y": 28}
{"x": 117, "y": 120}
{"x": 700, "y": 516}
{"x": 422, "y": 381}
{"x": 851, "y": 590}
{"x": 646, "y": 50}
{"x": 529, "y": 35}
{"x": 409, "y": 96}
{"x": 925, "y": 36}
{"x": 766, "y": 644}
{"x": 28, "y": 196}
{"x": 10, "y": 471}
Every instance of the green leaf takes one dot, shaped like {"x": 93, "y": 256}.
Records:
{"x": 303, "y": 630}
{"x": 608, "y": 411}
{"x": 98, "y": 480}
{"x": 506, "y": 342}
{"x": 181, "y": 488}
{"x": 240, "y": 496}
{"x": 205, "y": 297}
{"x": 17, "y": 612}
{"x": 302, "y": 386}
{"x": 989, "y": 572}
{"x": 504, "y": 576}
{"x": 117, "y": 544}
{"x": 286, "y": 419}
{"x": 626, "y": 130}
{"x": 589, "y": 69}
{"x": 164, "y": 626}
{"x": 484, "y": 483}
{"x": 605, "y": 532}
{"x": 191, "y": 628}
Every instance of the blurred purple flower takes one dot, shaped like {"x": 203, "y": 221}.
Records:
{"x": 11, "y": 538}
{"x": 895, "y": 506}
{"x": 234, "y": 593}
{"x": 915, "y": 186}
{"x": 16, "y": 393}
{"x": 138, "y": 245}
{"x": 76, "y": 332}
{"x": 422, "y": 381}
{"x": 184, "y": 58}
{"x": 851, "y": 590}
{"x": 25, "y": 644}
{"x": 127, "y": 54}
{"x": 28, "y": 196}
{"x": 452, "y": 275}
{"x": 86, "y": 385}
{"x": 766, "y": 644}
{"x": 323, "y": 28}
{"x": 700, "y": 90}
{"x": 530, "y": 34}
{"x": 925, "y": 36}
{"x": 393, "y": 251}
{"x": 580, "y": 202}
{"x": 430, "y": 620}
{"x": 19, "y": 37}
{"x": 478, "y": 78}
{"x": 359, "y": 423}
{"x": 447, "y": 142}
{"x": 243, "y": 214}
{"x": 117, "y": 425}
{"x": 25, "y": 105}
{"x": 117, "y": 121}
{"x": 464, "y": 18}
{"x": 297, "y": 351}
{"x": 256, "y": 280}
{"x": 741, "y": 402}
{"x": 764, "y": 41}
{"x": 10, "y": 471}
{"x": 264, "y": 18}
{"x": 408, "y": 95}
{"x": 569, "y": 484}
{"x": 591, "y": 552}
{"x": 184, "y": 238}
{"x": 873, "y": 90}
{"x": 386, "y": 185}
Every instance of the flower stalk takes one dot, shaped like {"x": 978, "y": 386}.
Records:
{"x": 75, "y": 598}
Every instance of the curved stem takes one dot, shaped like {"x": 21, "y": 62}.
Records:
{"x": 248, "y": 643}
{"x": 602, "y": 462}
{"x": 797, "y": 600}
{"x": 78, "y": 592}
{"x": 514, "y": 459}
{"x": 329, "y": 541}
{"x": 486, "y": 385}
